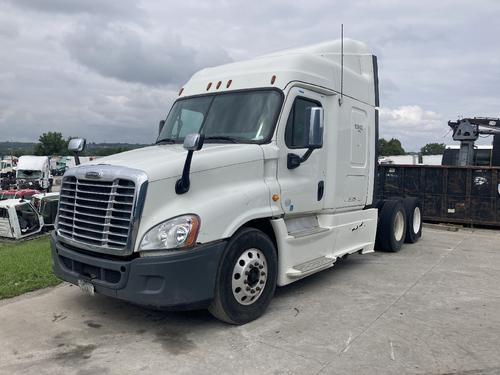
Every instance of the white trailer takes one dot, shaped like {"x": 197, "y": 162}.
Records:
{"x": 264, "y": 172}
{"x": 33, "y": 172}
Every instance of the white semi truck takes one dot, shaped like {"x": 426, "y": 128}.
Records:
{"x": 33, "y": 172}
{"x": 264, "y": 172}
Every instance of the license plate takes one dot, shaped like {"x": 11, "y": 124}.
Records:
{"x": 86, "y": 287}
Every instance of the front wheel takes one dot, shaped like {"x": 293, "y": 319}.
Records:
{"x": 247, "y": 278}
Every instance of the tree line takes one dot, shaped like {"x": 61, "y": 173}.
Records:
{"x": 393, "y": 147}
{"x": 53, "y": 143}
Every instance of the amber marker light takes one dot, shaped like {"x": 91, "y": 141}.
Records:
{"x": 276, "y": 197}
{"x": 181, "y": 90}
{"x": 229, "y": 83}
{"x": 273, "y": 79}
{"x": 218, "y": 85}
{"x": 195, "y": 224}
{"x": 209, "y": 85}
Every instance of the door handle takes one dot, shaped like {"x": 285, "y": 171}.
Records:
{"x": 321, "y": 189}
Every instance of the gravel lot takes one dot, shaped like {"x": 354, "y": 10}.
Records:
{"x": 433, "y": 308}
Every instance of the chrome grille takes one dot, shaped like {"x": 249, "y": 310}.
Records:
{"x": 97, "y": 213}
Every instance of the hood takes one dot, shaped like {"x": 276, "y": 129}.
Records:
{"x": 166, "y": 161}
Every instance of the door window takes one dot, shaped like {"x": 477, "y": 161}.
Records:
{"x": 296, "y": 135}
{"x": 28, "y": 218}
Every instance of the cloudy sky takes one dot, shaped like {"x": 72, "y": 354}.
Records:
{"x": 108, "y": 70}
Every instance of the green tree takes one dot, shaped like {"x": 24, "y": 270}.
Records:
{"x": 51, "y": 143}
{"x": 390, "y": 148}
{"x": 433, "y": 149}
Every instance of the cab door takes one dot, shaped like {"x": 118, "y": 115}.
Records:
{"x": 303, "y": 187}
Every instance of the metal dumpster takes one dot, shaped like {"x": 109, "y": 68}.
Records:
{"x": 466, "y": 195}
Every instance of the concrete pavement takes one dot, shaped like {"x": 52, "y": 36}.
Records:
{"x": 433, "y": 308}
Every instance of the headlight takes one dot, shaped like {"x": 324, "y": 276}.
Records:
{"x": 175, "y": 233}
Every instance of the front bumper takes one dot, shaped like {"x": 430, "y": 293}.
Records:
{"x": 29, "y": 184}
{"x": 181, "y": 280}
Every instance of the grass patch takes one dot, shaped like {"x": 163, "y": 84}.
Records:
{"x": 25, "y": 266}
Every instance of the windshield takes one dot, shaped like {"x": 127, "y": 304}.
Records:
{"x": 246, "y": 117}
{"x": 25, "y": 173}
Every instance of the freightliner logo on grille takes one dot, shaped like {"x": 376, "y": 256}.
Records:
{"x": 93, "y": 175}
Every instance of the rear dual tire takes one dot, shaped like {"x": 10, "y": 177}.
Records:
{"x": 400, "y": 221}
{"x": 391, "y": 230}
{"x": 413, "y": 209}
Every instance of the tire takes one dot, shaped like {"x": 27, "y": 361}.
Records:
{"x": 413, "y": 209}
{"x": 391, "y": 230}
{"x": 249, "y": 250}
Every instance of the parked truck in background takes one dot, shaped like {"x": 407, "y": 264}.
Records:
{"x": 7, "y": 167}
{"x": 264, "y": 172}
{"x": 33, "y": 172}
{"x": 7, "y": 172}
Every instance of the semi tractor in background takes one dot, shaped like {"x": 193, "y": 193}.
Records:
{"x": 33, "y": 172}
{"x": 8, "y": 167}
{"x": 264, "y": 172}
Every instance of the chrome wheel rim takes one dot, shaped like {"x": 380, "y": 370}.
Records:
{"x": 399, "y": 226}
{"x": 249, "y": 276}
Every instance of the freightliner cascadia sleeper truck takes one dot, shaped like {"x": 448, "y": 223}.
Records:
{"x": 263, "y": 172}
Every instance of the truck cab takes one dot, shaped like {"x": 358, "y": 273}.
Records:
{"x": 263, "y": 172}
{"x": 19, "y": 219}
{"x": 7, "y": 168}
{"x": 46, "y": 205}
{"x": 33, "y": 172}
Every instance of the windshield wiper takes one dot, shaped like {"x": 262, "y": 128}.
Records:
{"x": 221, "y": 138}
{"x": 165, "y": 140}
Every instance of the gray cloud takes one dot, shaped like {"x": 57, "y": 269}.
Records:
{"x": 111, "y": 8}
{"x": 126, "y": 53}
{"x": 8, "y": 27}
{"x": 109, "y": 70}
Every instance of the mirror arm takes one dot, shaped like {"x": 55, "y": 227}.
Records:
{"x": 77, "y": 158}
{"x": 307, "y": 154}
{"x": 293, "y": 160}
{"x": 183, "y": 183}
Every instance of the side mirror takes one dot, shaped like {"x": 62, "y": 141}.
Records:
{"x": 313, "y": 133}
{"x": 77, "y": 145}
{"x": 160, "y": 126}
{"x": 193, "y": 142}
{"x": 314, "y": 126}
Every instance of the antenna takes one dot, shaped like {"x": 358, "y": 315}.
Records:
{"x": 341, "y": 99}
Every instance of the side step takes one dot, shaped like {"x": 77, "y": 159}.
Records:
{"x": 307, "y": 232}
{"x": 310, "y": 267}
